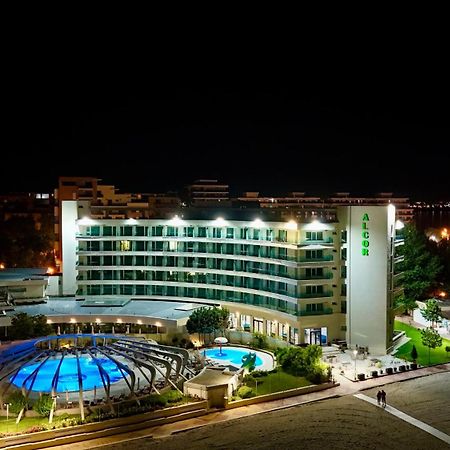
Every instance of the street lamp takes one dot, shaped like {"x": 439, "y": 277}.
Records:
{"x": 7, "y": 414}
{"x": 355, "y": 352}
{"x": 52, "y": 411}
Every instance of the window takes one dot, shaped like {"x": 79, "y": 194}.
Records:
{"x": 172, "y": 231}
{"x": 314, "y": 254}
{"x": 314, "y": 272}
{"x": 314, "y": 290}
{"x": 125, "y": 246}
{"x": 202, "y": 232}
{"x": 230, "y": 233}
{"x": 314, "y": 307}
{"x": 157, "y": 231}
{"x": 314, "y": 235}
{"x": 141, "y": 231}
{"x": 109, "y": 231}
{"x": 188, "y": 231}
{"x": 217, "y": 232}
{"x": 282, "y": 235}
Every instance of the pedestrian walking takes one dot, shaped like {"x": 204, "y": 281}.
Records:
{"x": 383, "y": 399}
{"x": 379, "y": 397}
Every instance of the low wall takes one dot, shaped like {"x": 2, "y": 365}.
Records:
{"x": 280, "y": 395}
{"x": 88, "y": 431}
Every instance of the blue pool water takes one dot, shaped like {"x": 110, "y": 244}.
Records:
{"x": 68, "y": 374}
{"x": 231, "y": 355}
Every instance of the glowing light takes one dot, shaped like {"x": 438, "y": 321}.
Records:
{"x": 139, "y": 322}
{"x": 49, "y": 321}
{"x": 442, "y": 294}
{"x": 131, "y": 220}
{"x": 175, "y": 221}
{"x": 2, "y": 266}
{"x": 158, "y": 324}
{"x": 50, "y": 270}
{"x": 97, "y": 320}
{"x": 220, "y": 222}
{"x": 445, "y": 234}
{"x": 119, "y": 320}
{"x": 86, "y": 221}
{"x": 72, "y": 320}
{"x": 399, "y": 225}
{"x": 257, "y": 223}
{"x": 291, "y": 225}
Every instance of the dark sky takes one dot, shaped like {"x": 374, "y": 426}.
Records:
{"x": 362, "y": 138}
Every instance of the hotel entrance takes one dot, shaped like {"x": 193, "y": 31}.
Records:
{"x": 316, "y": 336}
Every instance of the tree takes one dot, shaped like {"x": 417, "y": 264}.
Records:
{"x": 420, "y": 266}
{"x": 24, "y": 326}
{"x": 414, "y": 353}
{"x": 431, "y": 339}
{"x": 447, "y": 349}
{"x": 207, "y": 320}
{"x": 23, "y": 245}
{"x": 432, "y": 312}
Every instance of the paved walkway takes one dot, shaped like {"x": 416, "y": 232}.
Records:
{"x": 417, "y": 423}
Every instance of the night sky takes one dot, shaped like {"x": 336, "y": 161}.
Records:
{"x": 362, "y": 140}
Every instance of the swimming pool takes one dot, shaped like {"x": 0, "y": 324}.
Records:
{"x": 234, "y": 355}
{"x": 68, "y": 374}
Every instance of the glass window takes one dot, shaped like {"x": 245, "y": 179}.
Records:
{"x": 188, "y": 231}
{"x": 230, "y": 233}
{"x": 125, "y": 246}
{"x": 157, "y": 231}
{"x": 201, "y": 231}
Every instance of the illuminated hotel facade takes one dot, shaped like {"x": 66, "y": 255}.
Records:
{"x": 314, "y": 281}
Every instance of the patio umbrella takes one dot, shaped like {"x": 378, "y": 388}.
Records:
{"x": 220, "y": 340}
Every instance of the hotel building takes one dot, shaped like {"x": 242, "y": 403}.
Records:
{"x": 295, "y": 278}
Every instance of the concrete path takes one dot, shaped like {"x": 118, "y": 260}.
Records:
{"x": 417, "y": 423}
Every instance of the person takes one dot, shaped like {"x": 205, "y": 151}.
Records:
{"x": 379, "y": 397}
{"x": 383, "y": 398}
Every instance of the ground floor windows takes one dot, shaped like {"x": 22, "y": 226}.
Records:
{"x": 318, "y": 336}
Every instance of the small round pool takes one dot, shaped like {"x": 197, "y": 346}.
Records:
{"x": 68, "y": 374}
{"x": 234, "y": 355}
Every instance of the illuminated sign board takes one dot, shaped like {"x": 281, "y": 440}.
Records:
{"x": 365, "y": 235}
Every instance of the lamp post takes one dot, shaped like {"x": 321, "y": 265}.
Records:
{"x": 7, "y": 414}
{"x": 355, "y": 352}
{"x": 52, "y": 411}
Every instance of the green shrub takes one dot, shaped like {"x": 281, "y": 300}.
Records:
{"x": 155, "y": 400}
{"x": 245, "y": 392}
{"x": 18, "y": 402}
{"x": 173, "y": 396}
{"x": 43, "y": 405}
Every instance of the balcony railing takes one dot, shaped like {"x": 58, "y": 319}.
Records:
{"x": 315, "y": 313}
{"x": 316, "y": 294}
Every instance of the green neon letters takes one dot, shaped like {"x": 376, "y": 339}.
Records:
{"x": 365, "y": 235}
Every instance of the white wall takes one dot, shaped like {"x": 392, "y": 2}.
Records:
{"x": 68, "y": 230}
{"x": 369, "y": 277}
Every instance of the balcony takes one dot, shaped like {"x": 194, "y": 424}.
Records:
{"x": 325, "y": 276}
{"x": 324, "y": 258}
{"x": 315, "y": 313}
{"x": 326, "y": 241}
{"x": 316, "y": 294}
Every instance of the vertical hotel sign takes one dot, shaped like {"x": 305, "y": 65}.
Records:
{"x": 365, "y": 235}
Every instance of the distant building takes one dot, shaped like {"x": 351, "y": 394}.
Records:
{"x": 203, "y": 193}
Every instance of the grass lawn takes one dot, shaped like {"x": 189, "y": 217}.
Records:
{"x": 438, "y": 355}
{"x": 276, "y": 382}
{"x": 25, "y": 423}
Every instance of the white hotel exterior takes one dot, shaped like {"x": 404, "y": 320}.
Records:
{"x": 303, "y": 282}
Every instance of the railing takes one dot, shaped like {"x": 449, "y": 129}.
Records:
{"x": 328, "y": 240}
{"x": 316, "y": 295}
{"x": 315, "y": 313}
